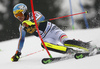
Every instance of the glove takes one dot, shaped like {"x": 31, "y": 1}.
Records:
{"x": 16, "y": 56}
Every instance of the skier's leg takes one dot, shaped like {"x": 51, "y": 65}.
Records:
{"x": 54, "y": 36}
{"x": 72, "y": 43}
{"x": 87, "y": 46}
{"x": 59, "y": 48}
{"x": 51, "y": 43}
{"x": 58, "y": 35}
{"x": 78, "y": 44}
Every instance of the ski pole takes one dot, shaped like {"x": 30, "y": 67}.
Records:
{"x": 32, "y": 7}
{"x": 32, "y": 53}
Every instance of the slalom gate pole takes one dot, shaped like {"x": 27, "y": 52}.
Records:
{"x": 32, "y": 7}
{"x": 71, "y": 14}
{"x": 86, "y": 22}
{"x": 63, "y": 16}
{"x": 67, "y": 16}
{"x": 32, "y": 53}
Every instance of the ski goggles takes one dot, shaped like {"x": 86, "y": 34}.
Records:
{"x": 19, "y": 15}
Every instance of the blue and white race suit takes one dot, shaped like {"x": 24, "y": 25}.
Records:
{"x": 49, "y": 32}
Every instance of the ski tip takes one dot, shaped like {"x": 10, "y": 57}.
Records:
{"x": 46, "y": 60}
{"x": 50, "y": 60}
{"x": 80, "y": 55}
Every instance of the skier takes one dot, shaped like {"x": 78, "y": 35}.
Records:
{"x": 50, "y": 33}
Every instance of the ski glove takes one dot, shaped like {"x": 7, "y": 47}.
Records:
{"x": 16, "y": 56}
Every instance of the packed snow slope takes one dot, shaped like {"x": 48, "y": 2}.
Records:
{"x": 32, "y": 44}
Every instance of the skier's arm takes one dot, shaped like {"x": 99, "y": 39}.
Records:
{"x": 20, "y": 45}
{"x": 39, "y": 16}
{"x": 21, "y": 39}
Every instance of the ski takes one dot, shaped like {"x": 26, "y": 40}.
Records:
{"x": 56, "y": 59}
{"x": 76, "y": 56}
{"x": 70, "y": 56}
{"x": 83, "y": 55}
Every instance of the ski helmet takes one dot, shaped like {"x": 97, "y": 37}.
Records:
{"x": 19, "y": 10}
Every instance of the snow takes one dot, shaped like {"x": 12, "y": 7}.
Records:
{"x": 32, "y": 44}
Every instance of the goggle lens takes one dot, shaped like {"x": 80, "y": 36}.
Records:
{"x": 19, "y": 15}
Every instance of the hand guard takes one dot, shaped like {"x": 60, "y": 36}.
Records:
{"x": 16, "y": 56}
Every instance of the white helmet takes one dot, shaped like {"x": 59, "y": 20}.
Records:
{"x": 19, "y": 9}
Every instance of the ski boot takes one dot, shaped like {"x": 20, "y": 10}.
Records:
{"x": 94, "y": 50}
{"x": 72, "y": 51}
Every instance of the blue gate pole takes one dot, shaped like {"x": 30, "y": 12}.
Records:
{"x": 71, "y": 14}
{"x": 86, "y": 22}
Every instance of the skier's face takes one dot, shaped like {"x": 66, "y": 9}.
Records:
{"x": 21, "y": 18}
